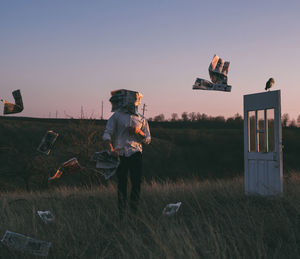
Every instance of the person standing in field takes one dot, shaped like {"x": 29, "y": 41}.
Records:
{"x": 125, "y": 132}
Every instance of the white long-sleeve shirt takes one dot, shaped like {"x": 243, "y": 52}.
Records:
{"x": 117, "y": 131}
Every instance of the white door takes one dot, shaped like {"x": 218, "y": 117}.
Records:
{"x": 263, "y": 143}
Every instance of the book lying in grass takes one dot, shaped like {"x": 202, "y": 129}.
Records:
{"x": 171, "y": 209}
{"x": 11, "y": 108}
{"x": 25, "y": 244}
{"x": 46, "y": 216}
{"x": 47, "y": 142}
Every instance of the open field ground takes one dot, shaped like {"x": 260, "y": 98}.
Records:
{"x": 216, "y": 220}
{"x": 179, "y": 150}
{"x": 182, "y": 163}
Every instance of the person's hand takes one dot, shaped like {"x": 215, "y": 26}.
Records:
{"x": 115, "y": 153}
{"x": 134, "y": 130}
{"x": 110, "y": 148}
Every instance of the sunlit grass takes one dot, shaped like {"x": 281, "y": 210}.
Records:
{"x": 216, "y": 220}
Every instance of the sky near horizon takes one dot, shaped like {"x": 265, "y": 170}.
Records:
{"x": 68, "y": 54}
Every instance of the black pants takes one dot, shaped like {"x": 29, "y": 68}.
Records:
{"x": 132, "y": 164}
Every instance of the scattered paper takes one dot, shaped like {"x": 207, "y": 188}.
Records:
{"x": 26, "y": 244}
{"x": 171, "y": 209}
{"x": 106, "y": 163}
{"x": 202, "y": 84}
{"x": 10, "y": 108}
{"x": 46, "y": 216}
{"x": 218, "y": 72}
{"x": 57, "y": 175}
{"x": 105, "y": 160}
{"x": 47, "y": 142}
{"x": 69, "y": 166}
{"x": 107, "y": 173}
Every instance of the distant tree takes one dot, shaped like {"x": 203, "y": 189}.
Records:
{"x": 159, "y": 117}
{"x": 293, "y": 124}
{"x": 192, "y": 116}
{"x": 236, "y": 120}
{"x": 220, "y": 119}
{"x": 185, "y": 116}
{"x": 298, "y": 120}
{"x": 230, "y": 120}
{"x": 202, "y": 116}
{"x": 285, "y": 119}
{"x": 238, "y": 117}
{"x": 174, "y": 117}
{"x": 198, "y": 116}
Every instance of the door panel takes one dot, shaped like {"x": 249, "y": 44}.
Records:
{"x": 261, "y": 176}
{"x": 262, "y": 143}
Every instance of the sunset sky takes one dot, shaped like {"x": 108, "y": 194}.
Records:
{"x": 68, "y": 54}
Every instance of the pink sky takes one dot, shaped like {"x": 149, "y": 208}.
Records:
{"x": 64, "y": 55}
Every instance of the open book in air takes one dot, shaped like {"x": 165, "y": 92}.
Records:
{"x": 11, "y": 108}
{"x": 218, "y": 72}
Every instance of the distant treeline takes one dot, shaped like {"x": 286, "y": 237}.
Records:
{"x": 187, "y": 119}
{"x": 202, "y": 119}
{"x": 193, "y": 120}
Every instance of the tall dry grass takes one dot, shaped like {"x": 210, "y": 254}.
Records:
{"x": 216, "y": 220}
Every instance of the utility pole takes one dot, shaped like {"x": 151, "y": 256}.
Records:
{"x": 144, "y": 109}
{"x": 56, "y": 113}
{"x": 81, "y": 116}
{"x": 102, "y": 111}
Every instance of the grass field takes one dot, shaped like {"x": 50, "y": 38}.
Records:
{"x": 216, "y": 220}
{"x": 178, "y": 150}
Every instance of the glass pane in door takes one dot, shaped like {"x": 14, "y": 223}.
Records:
{"x": 270, "y": 125}
{"x": 261, "y": 120}
{"x": 261, "y": 131}
{"x": 251, "y": 133}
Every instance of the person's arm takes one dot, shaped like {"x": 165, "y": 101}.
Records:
{"x": 143, "y": 134}
{"x": 108, "y": 145}
{"x": 136, "y": 131}
{"x": 108, "y": 133}
{"x": 146, "y": 130}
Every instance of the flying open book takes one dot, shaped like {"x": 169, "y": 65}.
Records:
{"x": 10, "y": 108}
{"x": 218, "y": 72}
